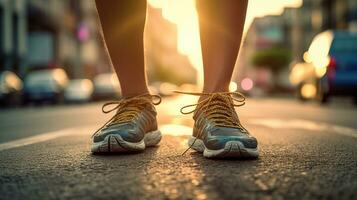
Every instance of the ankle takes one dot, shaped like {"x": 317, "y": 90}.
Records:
{"x": 128, "y": 94}
{"x": 213, "y": 90}
{"x": 220, "y": 88}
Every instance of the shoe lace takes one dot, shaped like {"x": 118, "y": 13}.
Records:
{"x": 127, "y": 108}
{"x": 218, "y": 108}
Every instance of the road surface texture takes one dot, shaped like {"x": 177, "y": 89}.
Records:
{"x": 306, "y": 152}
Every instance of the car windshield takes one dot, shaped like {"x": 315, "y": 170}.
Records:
{"x": 76, "y": 83}
{"x": 108, "y": 80}
{"x": 80, "y": 85}
{"x": 40, "y": 78}
{"x": 104, "y": 78}
{"x": 346, "y": 44}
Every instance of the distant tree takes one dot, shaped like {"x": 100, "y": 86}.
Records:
{"x": 275, "y": 59}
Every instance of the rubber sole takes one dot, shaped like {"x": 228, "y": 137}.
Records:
{"x": 115, "y": 143}
{"x": 232, "y": 149}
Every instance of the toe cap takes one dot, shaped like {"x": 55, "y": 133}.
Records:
{"x": 219, "y": 142}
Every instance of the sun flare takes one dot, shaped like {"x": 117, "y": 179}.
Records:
{"x": 183, "y": 13}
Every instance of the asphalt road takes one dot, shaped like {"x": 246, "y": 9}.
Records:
{"x": 306, "y": 152}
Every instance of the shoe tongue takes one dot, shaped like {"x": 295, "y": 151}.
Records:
{"x": 138, "y": 102}
{"x": 221, "y": 100}
{"x": 141, "y": 104}
{"x": 217, "y": 99}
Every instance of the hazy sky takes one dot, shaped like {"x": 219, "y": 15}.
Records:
{"x": 259, "y": 8}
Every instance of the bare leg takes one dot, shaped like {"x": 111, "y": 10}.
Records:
{"x": 123, "y": 23}
{"x": 221, "y": 27}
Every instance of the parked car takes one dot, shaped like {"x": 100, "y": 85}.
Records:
{"x": 79, "y": 90}
{"x": 330, "y": 67}
{"x": 45, "y": 85}
{"x": 106, "y": 86}
{"x": 10, "y": 88}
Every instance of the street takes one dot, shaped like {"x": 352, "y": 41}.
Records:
{"x": 307, "y": 151}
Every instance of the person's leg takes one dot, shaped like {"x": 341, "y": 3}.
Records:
{"x": 217, "y": 131}
{"x": 221, "y": 26}
{"x": 123, "y": 25}
{"x": 133, "y": 127}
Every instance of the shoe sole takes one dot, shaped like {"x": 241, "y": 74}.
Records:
{"x": 232, "y": 149}
{"x": 116, "y": 144}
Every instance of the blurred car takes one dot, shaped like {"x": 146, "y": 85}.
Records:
{"x": 303, "y": 77}
{"x": 10, "y": 88}
{"x": 106, "y": 86}
{"x": 79, "y": 90}
{"x": 45, "y": 85}
{"x": 330, "y": 67}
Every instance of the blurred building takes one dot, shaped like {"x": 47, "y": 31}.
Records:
{"x": 38, "y": 34}
{"x": 13, "y": 34}
{"x": 293, "y": 30}
{"x": 315, "y": 16}
{"x": 163, "y": 60}
{"x": 264, "y": 33}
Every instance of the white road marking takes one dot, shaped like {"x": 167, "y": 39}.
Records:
{"x": 43, "y": 137}
{"x": 304, "y": 125}
{"x": 181, "y": 130}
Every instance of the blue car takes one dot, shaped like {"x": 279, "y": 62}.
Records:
{"x": 330, "y": 67}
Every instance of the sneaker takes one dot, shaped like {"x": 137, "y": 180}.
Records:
{"x": 131, "y": 129}
{"x": 217, "y": 131}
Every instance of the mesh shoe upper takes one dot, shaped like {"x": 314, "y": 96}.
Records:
{"x": 134, "y": 117}
{"x": 216, "y": 121}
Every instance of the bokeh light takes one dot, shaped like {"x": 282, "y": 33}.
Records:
{"x": 247, "y": 84}
{"x": 233, "y": 86}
